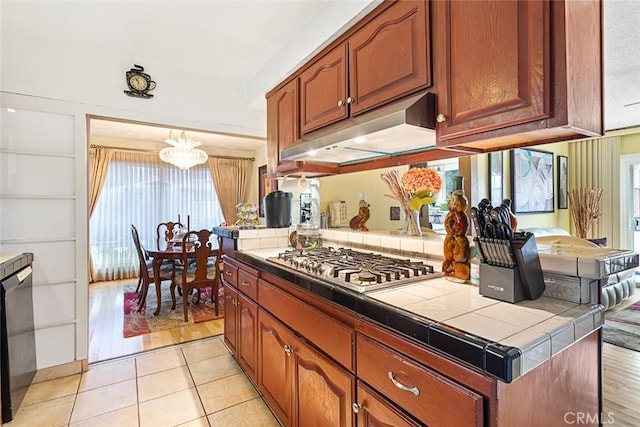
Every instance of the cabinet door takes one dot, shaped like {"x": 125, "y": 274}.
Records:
{"x": 275, "y": 365}
{"x": 389, "y": 57}
{"x": 493, "y": 67}
{"x": 324, "y": 391}
{"x": 375, "y": 410}
{"x": 230, "y": 317}
{"x": 247, "y": 334}
{"x": 323, "y": 91}
{"x": 282, "y": 123}
{"x": 425, "y": 394}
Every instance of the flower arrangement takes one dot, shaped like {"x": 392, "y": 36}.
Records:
{"x": 417, "y": 187}
{"x": 423, "y": 184}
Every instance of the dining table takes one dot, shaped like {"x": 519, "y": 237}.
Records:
{"x": 172, "y": 251}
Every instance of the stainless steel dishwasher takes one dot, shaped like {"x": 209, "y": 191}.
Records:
{"x": 17, "y": 334}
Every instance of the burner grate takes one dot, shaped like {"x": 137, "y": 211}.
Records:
{"x": 356, "y": 270}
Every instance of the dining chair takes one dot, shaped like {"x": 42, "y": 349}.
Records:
{"x": 203, "y": 273}
{"x": 167, "y": 272}
{"x": 166, "y": 231}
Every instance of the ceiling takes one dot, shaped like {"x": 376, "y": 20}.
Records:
{"x": 250, "y": 36}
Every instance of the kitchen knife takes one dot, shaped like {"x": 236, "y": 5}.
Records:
{"x": 492, "y": 258}
{"x": 509, "y": 251}
{"x": 498, "y": 248}
{"x": 476, "y": 223}
{"x": 503, "y": 244}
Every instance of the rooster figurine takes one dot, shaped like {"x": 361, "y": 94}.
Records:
{"x": 358, "y": 222}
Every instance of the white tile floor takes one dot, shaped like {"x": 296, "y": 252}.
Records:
{"x": 195, "y": 384}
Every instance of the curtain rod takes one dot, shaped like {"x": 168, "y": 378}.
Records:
{"x": 138, "y": 150}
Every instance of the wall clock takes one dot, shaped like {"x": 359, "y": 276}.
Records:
{"x": 139, "y": 82}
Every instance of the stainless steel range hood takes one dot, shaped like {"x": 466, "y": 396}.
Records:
{"x": 401, "y": 127}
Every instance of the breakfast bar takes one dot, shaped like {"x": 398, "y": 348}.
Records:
{"x": 481, "y": 358}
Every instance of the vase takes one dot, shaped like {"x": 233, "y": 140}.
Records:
{"x": 411, "y": 222}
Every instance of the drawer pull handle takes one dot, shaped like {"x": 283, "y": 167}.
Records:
{"x": 245, "y": 283}
{"x": 288, "y": 350}
{"x": 228, "y": 273}
{"x": 356, "y": 407}
{"x": 414, "y": 390}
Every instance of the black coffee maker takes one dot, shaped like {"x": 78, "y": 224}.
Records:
{"x": 277, "y": 209}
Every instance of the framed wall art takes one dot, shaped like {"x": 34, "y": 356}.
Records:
{"x": 265, "y": 186}
{"x": 563, "y": 182}
{"x": 532, "y": 184}
{"x": 496, "y": 179}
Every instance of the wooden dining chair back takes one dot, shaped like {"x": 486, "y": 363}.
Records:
{"x": 166, "y": 231}
{"x": 146, "y": 267}
{"x": 200, "y": 274}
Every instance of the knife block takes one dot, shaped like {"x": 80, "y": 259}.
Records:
{"x": 524, "y": 281}
{"x": 500, "y": 283}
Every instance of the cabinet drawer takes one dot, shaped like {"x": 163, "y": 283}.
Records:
{"x": 427, "y": 395}
{"x": 334, "y": 338}
{"x": 247, "y": 284}
{"x": 230, "y": 273}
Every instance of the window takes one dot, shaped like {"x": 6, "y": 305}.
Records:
{"x": 143, "y": 191}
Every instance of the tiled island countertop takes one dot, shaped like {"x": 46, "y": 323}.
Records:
{"x": 503, "y": 339}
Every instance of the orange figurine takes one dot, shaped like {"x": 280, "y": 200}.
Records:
{"x": 456, "y": 265}
{"x": 358, "y": 222}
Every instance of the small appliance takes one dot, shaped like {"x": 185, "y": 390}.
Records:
{"x": 338, "y": 215}
{"x": 277, "y": 209}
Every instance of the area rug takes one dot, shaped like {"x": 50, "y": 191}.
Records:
{"x": 623, "y": 328}
{"x": 138, "y": 323}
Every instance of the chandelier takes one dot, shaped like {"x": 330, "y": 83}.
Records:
{"x": 183, "y": 153}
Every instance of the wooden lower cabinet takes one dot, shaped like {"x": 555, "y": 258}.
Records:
{"x": 385, "y": 379}
{"x": 230, "y": 318}
{"x": 302, "y": 386}
{"x": 323, "y": 391}
{"x": 427, "y": 395}
{"x": 275, "y": 366}
{"x": 375, "y": 410}
{"x": 247, "y": 328}
{"x": 240, "y": 328}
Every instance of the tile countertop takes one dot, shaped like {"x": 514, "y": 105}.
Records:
{"x": 4, "y": 257}
{"x": 503, "y": 339}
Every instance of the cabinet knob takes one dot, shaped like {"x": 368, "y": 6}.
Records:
{"x": 349, "y": 100}
{"x": 414, "y": 390}
{"x": 356, "y": 407}
{"x": 340, "y": 103}
{"x": 441, "y": 118}
{"x": 288, "y": 350}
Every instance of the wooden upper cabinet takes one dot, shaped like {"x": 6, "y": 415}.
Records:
{"x": 516, "y": 73}
{"x": 282, "y": 123}
{"x": 495, "y": 65}
{"x": 380, "y": 62}
{"x": 323, "y": 90}
{"x": 390, "y": 56}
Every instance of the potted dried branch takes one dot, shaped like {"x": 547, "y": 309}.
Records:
{"x": 585, "y": 208}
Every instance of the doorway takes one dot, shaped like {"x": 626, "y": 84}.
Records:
{"x": 106, "y": 305}
{"x": 630, "y": 204}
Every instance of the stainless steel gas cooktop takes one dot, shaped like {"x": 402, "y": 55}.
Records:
{"x": 355, "y": 270}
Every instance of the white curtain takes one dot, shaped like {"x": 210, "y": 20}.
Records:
{"x": 142, "y": 190}
{"x": 595, "y": 163}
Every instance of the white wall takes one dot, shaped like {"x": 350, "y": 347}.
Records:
{"x": 43, "y": 210}
{"x": 96, "y": 78}
{"x": 66, "y": 82}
